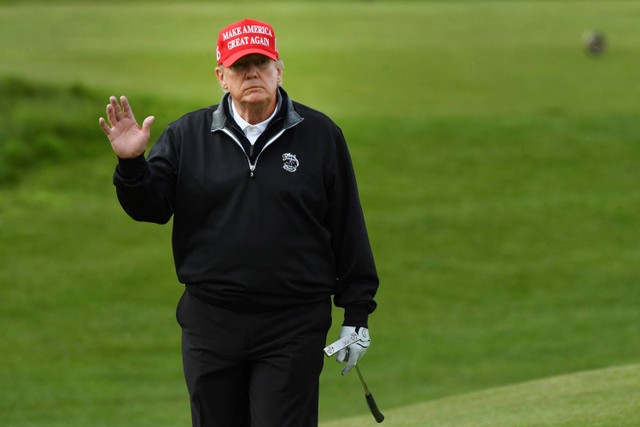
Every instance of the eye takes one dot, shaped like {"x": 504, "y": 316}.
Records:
{"x": 244, "y": 64}
{"x": 239, "y": 66}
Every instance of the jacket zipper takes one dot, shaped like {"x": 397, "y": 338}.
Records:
{"x": 252, "y": 166}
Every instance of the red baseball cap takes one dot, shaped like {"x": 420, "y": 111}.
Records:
{"x": 243, "y": 38}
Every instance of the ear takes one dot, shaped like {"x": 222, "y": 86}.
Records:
{"x": 279, "y": 79}
{"x": 221, "y": 78}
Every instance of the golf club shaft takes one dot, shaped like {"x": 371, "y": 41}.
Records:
{"x": 373, "y": 407}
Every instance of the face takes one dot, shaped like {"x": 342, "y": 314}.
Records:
{"x": 252, "y": 79}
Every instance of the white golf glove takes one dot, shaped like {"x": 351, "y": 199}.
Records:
{"x": 355, "y": 351}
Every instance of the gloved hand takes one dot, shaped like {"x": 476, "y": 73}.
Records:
{"x": 355, "y": 351}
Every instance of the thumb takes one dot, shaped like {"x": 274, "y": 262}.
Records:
{"x": 146, "y": 124}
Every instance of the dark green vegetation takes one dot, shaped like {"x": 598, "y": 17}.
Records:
{"x": 44, "y": 124}
{"x": 40, "y": 123}
{"x": 497, "y": 165}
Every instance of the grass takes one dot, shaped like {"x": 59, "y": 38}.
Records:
{"x": 607, "y": 397}
{"x": 442, "y": 58}
{"x": 497, "y": 168}
{"x": 48, "y": 123}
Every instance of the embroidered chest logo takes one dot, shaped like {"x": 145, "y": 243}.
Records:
{"x": 291, "y": 162}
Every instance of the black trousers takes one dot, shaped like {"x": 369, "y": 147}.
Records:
{"x": 253, "y": 369}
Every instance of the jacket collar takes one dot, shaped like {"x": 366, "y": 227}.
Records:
{"x": 291, "y": 117}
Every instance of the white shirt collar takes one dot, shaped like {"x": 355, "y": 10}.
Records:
{"x": 252, "y": 132}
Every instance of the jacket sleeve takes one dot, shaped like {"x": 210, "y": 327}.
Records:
{"x": 357, "y": 279}
{"x": 146, "y": 187}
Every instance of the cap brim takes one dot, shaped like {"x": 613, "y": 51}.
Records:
{"x": 233, "y": 58}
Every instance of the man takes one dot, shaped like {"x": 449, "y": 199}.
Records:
{"x": 267, "y": 226}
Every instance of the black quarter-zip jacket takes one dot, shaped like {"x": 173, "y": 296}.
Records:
{"x": 261, "y": 229}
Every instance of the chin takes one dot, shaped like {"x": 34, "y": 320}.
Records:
{"x": 256, "y": 97}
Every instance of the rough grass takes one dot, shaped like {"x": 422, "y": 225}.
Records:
{"x": 46, "y": 123}
{"x": 39, "y": 124}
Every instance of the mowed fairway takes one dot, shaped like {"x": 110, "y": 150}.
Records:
{"x": 498, "y": 169}
{"x": 608, "y": 397}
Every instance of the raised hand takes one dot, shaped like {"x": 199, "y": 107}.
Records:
{"x": 127, "y": 138}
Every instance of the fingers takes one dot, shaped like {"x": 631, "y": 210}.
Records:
{"x": 112, "y": 111}
{"x": 352, "y": 354}
{"x": 115, "y": 112}
{"x": 346, "y": 369}
{"x": 349, "y": 356}
{"x": 112, "y": 116}
{"x": 126, "y": 108}
{"x": 105, "y": 127}
{"x": 353, "y": 359}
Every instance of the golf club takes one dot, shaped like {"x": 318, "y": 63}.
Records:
{"x": 379, "y": 416}
{"x": 342, "y": 343}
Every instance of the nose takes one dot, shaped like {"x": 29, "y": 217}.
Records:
{"x": 252, "y": 69}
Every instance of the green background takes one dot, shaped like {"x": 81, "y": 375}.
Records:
{"x": 498, "y": 170}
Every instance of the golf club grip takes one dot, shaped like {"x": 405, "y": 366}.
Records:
{"x": 379, "y": 416}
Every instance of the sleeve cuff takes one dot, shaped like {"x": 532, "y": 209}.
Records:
{"x": 356, "y": 315}
{"x": 132, "y": 168}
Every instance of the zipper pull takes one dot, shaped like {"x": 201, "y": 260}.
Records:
{"x": 251, "y": 169}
